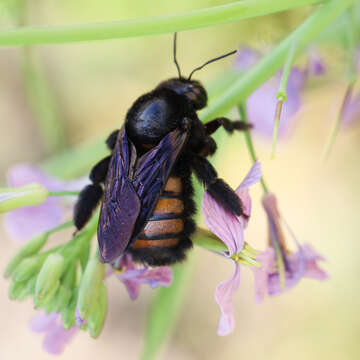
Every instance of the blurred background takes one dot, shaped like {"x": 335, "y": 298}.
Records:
{"x": 90, "y": 86}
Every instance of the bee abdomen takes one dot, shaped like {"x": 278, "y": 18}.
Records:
{"x": 165, "y": 226}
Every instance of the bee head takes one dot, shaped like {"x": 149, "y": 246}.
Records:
{"x": 191, "y": 90}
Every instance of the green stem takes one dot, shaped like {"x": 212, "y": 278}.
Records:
{"x": 195, "y": 19}
{"x": 64, "y": 193}
{"x": 282, "y": 95}
{"x": 60, "y": 227}
{"x": 249, "y": 143}
{"x": 270, "y": 64}
{"x": 336, "y": 124}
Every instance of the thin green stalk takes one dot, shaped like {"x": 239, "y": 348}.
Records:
{"x": 249, "y": 143}
{"x": 282, "y": 95}
{"x": 337, "y": 121}
{"x": 60, "y": 227}
{"x": 64, "y": 193}
{"x": 195, "y": 19}
{"x": 270, "y": 64}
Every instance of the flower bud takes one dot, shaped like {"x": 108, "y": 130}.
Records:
{"x": 27, "y": 269}
{"x": 29, "y": 249}
{"x": 68, "y": 314}
{"x": 28, "y": 195}
{"x": 16, "y": 289}
{"x": 49, "y": 276}
{"x": 96, "y": 320}
{"x": 47, "y": 301}
{"x": 90, "y": 287}
{"x": 61, "y": 298}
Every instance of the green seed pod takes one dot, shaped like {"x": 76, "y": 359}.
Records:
{"x": 46, "y": 301}
{"x": 68, "y": 314}
{"x": 96, "y": 320}
{"x": 16, "y": 289}
{"x": 27, "y": 268}
{"x": 49, "y": 276}
{"x": 28, "y": 195}
{"x": 90, "y": 287}
{"x": 62, "y": 298}
{"x": 29, "y": 249}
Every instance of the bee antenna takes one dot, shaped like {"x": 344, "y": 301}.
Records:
{"x": 211, "y": 61}
{"x": 175, "y": 60}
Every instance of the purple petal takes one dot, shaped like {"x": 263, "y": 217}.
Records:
{"x": 261, "y": 104}
{"x": 246, "y": 57}
{"x": 351, "y": 111}
{"x": 267, "y": 263}
{"x": 315, "y": 64}
{"x": 24, "y": 223}
{"x": 132, "y": 277}
{"x": 312, "y": 269}
{"x": 223, "y": 224}
{"x": 158, "y": 276}
{"x": 43, "y": 322}
{"x": 224, "y": 297}
{"x": 132, "y": 288}
{"x": 22, "y": 174}
{"x": 56, "y": 340}
{"x": 253, "y": 176}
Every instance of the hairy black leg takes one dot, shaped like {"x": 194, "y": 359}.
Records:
{"x": 228, "y": 125}
{"x": 88, "y": 199}
{"x": 99, "y": 171}
{"x": 90, "y": 196}
{"x": 111, "y": 140}
{"x": 216, "y": 187}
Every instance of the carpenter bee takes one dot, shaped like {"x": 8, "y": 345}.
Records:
{"x": 145, "y": 184}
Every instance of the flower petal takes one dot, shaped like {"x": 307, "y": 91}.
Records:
{"x": 246, "y": 57}
{"x": 24, "y": 223}
{"x": 224, "y": 297}
{"x": 266, "y": 260}
{"x": 223, "y": 224}
{"x": 312, "y": 269}
{"x": 43, "y": 322}
{"x": 261, "y": 104}
{"x": 56, "y": 340}
{"x": 252, "y": 177}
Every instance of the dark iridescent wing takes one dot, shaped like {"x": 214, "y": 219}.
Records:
{"x": 132, "y": 189}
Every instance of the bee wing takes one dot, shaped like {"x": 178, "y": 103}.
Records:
{"x": 132, "y": 189}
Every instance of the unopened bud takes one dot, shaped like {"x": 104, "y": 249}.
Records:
{"x": 49, "y": 276}
{"x": 27, "y": 269}
{"x": 68, "y": 314}
{"x": 96, "y": 320}
{"x": 28, "y": 195}
{"x": 29, "y": 249}
{"x": 90, "y": 287}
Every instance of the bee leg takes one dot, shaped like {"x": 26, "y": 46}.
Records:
{"x": 111, "y": 140}
{"x": 216, "y": 187}
{"x": 88, "y": 200}
{"x": 228, "y": 125}
{"x": 90, "y": 196}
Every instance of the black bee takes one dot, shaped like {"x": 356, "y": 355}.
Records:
{"x": 145, "y": 184}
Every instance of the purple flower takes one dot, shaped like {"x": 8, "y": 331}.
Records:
{"x": 132, "y": 277}
{"x": 25, "y": 222}
{"x": 261, "y": 104}
{"x": 299, "y": 264}
{"x": 230, "y": 229}
{"x": 56, "y": 337}
{"x": 315, "y": 63}
{"x": 351, "y": 111}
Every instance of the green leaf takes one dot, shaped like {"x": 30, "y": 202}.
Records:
{"x": 160, "y": 322}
